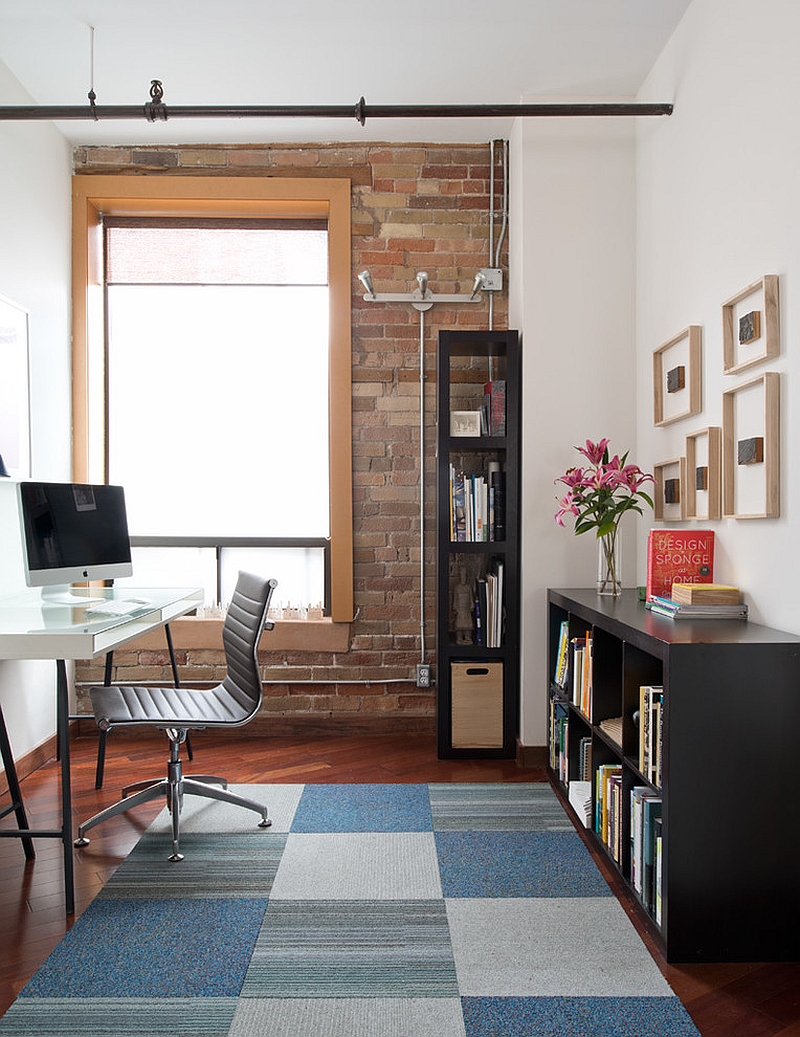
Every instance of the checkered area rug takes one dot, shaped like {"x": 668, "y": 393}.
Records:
{"x": 364, "y": 911}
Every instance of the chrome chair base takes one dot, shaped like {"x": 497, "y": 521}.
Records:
{"x": 173, "y": 788}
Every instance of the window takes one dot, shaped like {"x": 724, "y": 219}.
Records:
{"x": 196, "y": 346}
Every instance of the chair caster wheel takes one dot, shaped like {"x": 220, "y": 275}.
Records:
{"x": 265, "y": 822}
{"x": 83, "y": 841}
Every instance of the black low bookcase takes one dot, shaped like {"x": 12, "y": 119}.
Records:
{"x": 730, "y": 862}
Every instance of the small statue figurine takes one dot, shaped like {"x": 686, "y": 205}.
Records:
{"x": 462, "y": 606}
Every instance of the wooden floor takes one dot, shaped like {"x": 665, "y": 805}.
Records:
{"x": 739, "y": 1000}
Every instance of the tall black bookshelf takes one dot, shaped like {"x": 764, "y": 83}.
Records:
{"x": 727, "y": 776}
{"x": 477, "y": 543}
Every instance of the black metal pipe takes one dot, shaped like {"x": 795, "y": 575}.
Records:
{"x": 361, "y": 111}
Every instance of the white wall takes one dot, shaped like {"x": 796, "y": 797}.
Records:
{"x": 719, "y": 207}
{"x": 35, "y": 273}
{"x": 572, "y": 240}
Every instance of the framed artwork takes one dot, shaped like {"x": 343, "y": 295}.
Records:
{"x": 15, "y": 431}
{"x": 704, "y": 474}
{"x": 465, "y": 423}
{"x": 670, "y": 490}
{"x": 750, "y": 326}
{"x": 677, "y": 375}
{"x": 751, "y": 448}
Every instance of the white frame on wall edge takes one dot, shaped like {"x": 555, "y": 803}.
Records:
{"x": 15, "y": 428}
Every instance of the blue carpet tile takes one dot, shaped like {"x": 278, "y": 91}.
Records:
{"x": 576, "y": 1017}
{"x": 438, "y": 910}
{"x": 517, "y": 864}
{"x": 153, "y": 948}
{"x": 363, "y": 808}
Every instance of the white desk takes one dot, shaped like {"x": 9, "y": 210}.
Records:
{"x": 31, "y": 628}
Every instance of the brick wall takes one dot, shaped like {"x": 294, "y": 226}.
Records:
{"x": 414, "y": 207}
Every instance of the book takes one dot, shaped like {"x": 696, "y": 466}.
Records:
{"x": 657, "y": 881}
{"x": 675, "y": 610}
{"x": 638, "y": 794}
{"x": 651, "y": 810}
{"x": 678, "y": 556}
{"x": 612, "y": 726}
{"x": 705, "y": 594}
{"x": 494, "y": 396}
{"x": 651, "y": 697}
{"x": 580, "y": 799}
{"x": 497, "y": 486}
{"x": 562, "y": 655}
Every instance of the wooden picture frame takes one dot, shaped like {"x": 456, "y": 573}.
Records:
{"x": 670, "y": 482}
{"x": 15, "y": 429}
{"x": 704, "y": 474}
{"x": 751, "y": 448}
{"x": 677, "y": 377}
{"x": 750, "y": 326}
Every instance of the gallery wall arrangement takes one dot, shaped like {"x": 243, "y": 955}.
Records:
{"x": 731, "y": 469}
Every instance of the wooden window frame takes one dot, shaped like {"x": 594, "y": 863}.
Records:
{"x": 94, "y": 196}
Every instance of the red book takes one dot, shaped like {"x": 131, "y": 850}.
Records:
{"x": 678, "y": 555}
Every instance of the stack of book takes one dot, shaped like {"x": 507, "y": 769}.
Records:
{"x": 700, "y": 601}
{"x": 646, "y": 809}
{"x": 477, "y": 505}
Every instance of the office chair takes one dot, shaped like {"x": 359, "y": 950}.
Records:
{"x": 177, "y": 710}
{"x": 101, "y": 744}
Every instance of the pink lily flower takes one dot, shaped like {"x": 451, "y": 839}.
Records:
{"x": 593, "y": 451}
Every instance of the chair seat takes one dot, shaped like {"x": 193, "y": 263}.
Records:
{"x": 171, "y": 707}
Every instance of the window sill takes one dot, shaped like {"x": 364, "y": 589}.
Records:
{"x": 297, "y": 635}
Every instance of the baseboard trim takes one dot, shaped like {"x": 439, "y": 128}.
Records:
{"x": 31, "y": 761}
{"x": 532, "y": 755}
{"x": 296, "y": 726}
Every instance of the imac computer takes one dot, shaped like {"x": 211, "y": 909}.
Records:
{"x": 72, "y": 532}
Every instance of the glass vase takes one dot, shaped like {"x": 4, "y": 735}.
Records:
{"x": 609, "y": 563}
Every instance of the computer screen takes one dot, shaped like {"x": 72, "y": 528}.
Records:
{"x": 73, "y": 532}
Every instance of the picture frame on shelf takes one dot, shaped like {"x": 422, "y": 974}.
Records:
{"x": 15, "y": 430}
{"x": 465, "y": 423}
{"x": 669, "y": 501}
{"x": 677, "y": 377}
{"x": 751, "y": 448}
{"x": 704, "y": 474}
{"x": 751, "y": 326}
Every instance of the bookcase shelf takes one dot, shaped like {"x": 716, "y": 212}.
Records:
{"x": 477, "y": 547}
{"x": 729, "y": 712}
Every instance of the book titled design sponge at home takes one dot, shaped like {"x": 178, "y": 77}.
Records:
{"x": 678, "y": 556}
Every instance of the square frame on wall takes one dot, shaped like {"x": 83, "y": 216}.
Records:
{"x": 704, "y": 474}
{"x": 669, "y": 500}
{"x": 751, "y": 448}
{"x": 15, "y": 429}
{"x": 677, "y": 377}
{"x": 750, "y": 326}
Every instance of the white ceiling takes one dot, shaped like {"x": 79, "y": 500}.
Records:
{"x": 327, "y": 52}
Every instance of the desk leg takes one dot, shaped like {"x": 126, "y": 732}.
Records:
{"x": 62, "y": 727}
{"x": 176, "y": 681}
{"x": 14, "y": 790}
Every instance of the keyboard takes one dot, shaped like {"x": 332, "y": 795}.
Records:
{"x": 119, "y": 607}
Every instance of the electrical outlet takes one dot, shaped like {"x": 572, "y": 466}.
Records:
{"x": 493, "y": 279}
{"x": 423, "y": 675}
